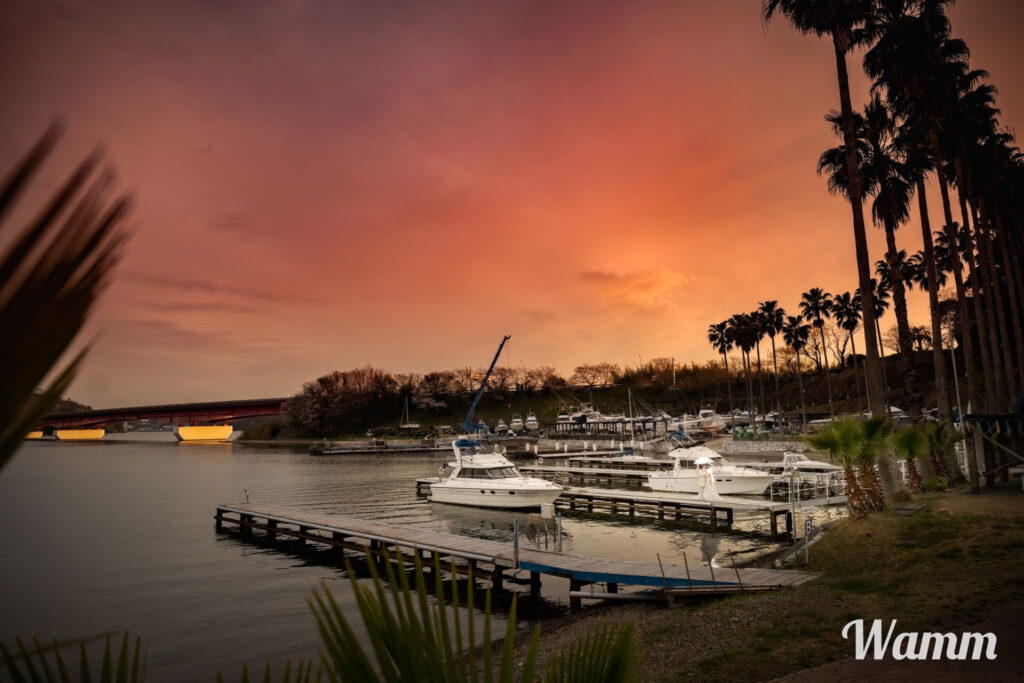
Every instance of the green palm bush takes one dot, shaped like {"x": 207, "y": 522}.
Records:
{"x": 40, "y": 663}
{"x": 942, "y": 441}
{"x": 877, "y": 432}
{"x": 413, "y": 640}
{"x": 843, "y": 441}
{"x": 910, "y": 445}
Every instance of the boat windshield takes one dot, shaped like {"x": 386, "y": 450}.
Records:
{"x": 488, "y": 472}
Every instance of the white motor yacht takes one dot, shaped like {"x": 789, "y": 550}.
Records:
{"x": 501, "y": 427}
{"x": 489, "y": 480}
{"x": 516, "y": 425}
{"x": 729, "y": 479}
{"x": 531, "y": 423}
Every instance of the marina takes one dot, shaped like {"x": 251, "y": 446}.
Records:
{"x": 490, "y": 559}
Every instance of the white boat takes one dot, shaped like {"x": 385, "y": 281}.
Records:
{"x": 501, "y": 427}
{"x": 799, "y": 463}
{"x": 531, "y": 423}
{"x": 489, "y": 480}
{"x": 707, "y": 420}
{"x": 516, "y": 425}
{"x": 729, "y": 479}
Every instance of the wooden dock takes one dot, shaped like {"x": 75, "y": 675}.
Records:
{"x": 492, "y": 559}
{"x": 633, "y": 502}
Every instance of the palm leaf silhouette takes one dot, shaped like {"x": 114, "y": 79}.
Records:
{"x": 51, "y": 272}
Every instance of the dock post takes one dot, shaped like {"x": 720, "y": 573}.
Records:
{"x": 714, "y": 517}
{"x": 272, "y": 529}
{"x": 338, "y": 539}
{"x": 613, "y": 587}
{"x": 774, "y": 522}
{"x": 496, "y": 579}
{"x": 218, "y": 520}
{"x": 303, "y": 530}
{"x": 575, "y": 603}
{"x": 789, "y": 525}
{"x": 534, "y": 584}
{"x": 245, "y": 524}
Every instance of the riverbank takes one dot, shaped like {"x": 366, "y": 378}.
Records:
{"x": 950, "y": 567}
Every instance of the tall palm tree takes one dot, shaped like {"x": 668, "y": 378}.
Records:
{"x": 882, "y": 295}
{"x": 772, "y": 315}
{"x": 760, "y": 330}
{"x": 816, "y": 307}
{"x": 720, "y": 337}
{"x": 846, "y": 311}
{"x": 840, "y": 20}
{"x": 917, "y": 61}
{"x": 885, "y": 175}
{"x": 741, "y": 328}
{"x": 796, "y": 333}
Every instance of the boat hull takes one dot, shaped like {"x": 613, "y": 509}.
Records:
{"x": 725, "y": 484}
{"x": 484, "y": 496}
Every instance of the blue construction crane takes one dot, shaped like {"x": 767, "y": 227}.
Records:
{"x": 467, "y": 424}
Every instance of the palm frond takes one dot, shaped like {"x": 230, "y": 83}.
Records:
{"x": 50, "y": 275}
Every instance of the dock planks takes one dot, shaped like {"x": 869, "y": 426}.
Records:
{"x": 376, "y": 537}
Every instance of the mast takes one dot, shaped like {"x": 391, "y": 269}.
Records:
{"x": 467, "y": 424}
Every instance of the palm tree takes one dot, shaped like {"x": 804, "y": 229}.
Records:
{"x": 911, "y": 445}
{"x": 840, "y": 20}
{"x": 885, "y": 175}
{"x": 741, "y": 329}
{"x": 843, "y": 441}
{"x": 881, "y": 298}
{"x": 760, "y": 330}
{"x": 772, "y": 316}
{"x": 796, "y": 334}
{"x": 846, "y": 311}
{"x": 917, "y": 61}
{"x": 816, "y": 307}
{"x": 873, "y": 460}
{"x": 720, "y": 337}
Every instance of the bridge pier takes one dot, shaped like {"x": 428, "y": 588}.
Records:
{"x": 79, "y": 434}
{"x": 203, "y": 432}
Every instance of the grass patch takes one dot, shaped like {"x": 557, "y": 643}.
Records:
{"x": 884, "y": 567}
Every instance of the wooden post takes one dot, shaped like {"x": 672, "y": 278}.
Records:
{"x": 613, "y": 587}
{"x": 272, "y": 529}
{"x": 496, "y": 579}
{"x": 534, "y": 584}
{"x": 218, "y": 520}
{"x": 302, "y": 530}
{"x": 774, "y": 523}
{"x": 575, "y": 603}
{"x": 245, "y": 524}
{"x": 714, "y": 517}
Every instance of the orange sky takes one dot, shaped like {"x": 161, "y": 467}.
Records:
{"x": 322, "y": 185}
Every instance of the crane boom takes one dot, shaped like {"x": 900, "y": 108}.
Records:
{"x": 467, "y": 424}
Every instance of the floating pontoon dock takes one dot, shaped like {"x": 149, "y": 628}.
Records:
{"x": 632, "y": 502}
{"x": 491, "y": 559}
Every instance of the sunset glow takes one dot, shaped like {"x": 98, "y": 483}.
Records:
{"x": 325, "y": 185}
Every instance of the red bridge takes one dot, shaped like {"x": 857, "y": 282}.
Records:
{"x": 180, "y": 414}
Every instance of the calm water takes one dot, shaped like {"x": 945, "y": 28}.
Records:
{"x": 98, "y": 537}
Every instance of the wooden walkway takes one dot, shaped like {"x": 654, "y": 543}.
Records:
{"x": 720, "y": 511}
{"x": 491, "y": 559}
